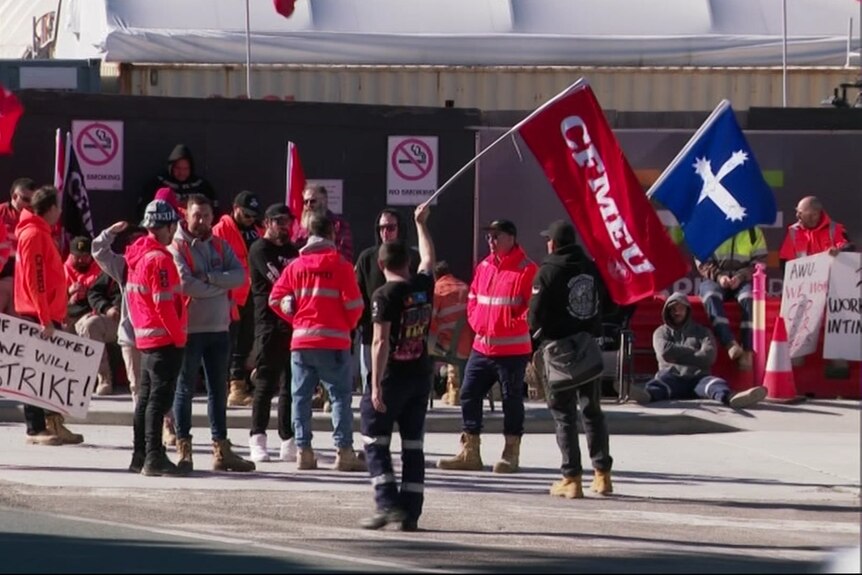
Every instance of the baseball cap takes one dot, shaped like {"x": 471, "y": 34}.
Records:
{"x": 247, "y": 201}
{"x": 277, "y": 211}
{"x": 561, "y": 231}
{"x": 80, "y": 246}
{"x": 168, "y": 195}
{"x": 159, "y": 213}
{"x": 505, "y": 226}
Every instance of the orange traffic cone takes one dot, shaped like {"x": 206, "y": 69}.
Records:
{"x": 778, "y": 379}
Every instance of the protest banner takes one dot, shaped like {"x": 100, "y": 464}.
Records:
{"x": 803, "y": 303}
{"x": 57, "y": 373}
{"x": 843, "y": 338}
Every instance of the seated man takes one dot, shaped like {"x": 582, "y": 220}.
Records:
{"x": 451, "y": 337}
{"x": 685, "y": 351}
{"x": 81, "y": 273}
{"x": 727, "y": 273}
{"x": 105, "y": 300}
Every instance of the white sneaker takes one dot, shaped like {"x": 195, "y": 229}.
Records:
{"x": 257, "y": 447}
{"x": 288, "y": 450}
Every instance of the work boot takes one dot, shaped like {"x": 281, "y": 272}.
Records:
{"x": 239, "y": 395}
{"x": 451, "y": 397}
{"x": 470, "y": 456}
{"x": 43, "y": 438}
{"x": 169, "y": 434}
{"x": 104, "y": 387}
{"x": 348, "y": 460}
{"x": 409, "y": 525}
{"x": 137, "y": 464}
{"x": 639, "y": 394}
{"x": 383, "y": 517}
{"x": 54, "y": 425}
{"x": 319, "y": 398}
{"x": 748, "y": 397}
{"x": 257, "y": 447}
{"x": 511, "y": 453}
{"x": 288, "y": 450}
{"x": 327, "y": 406}
{"x": 224, "y": 459}
{"x": 602, "y": 483}
{"x": 158, "y": 464}
{"x": 305, "y": 459}
{"x": 735, "y": 351}
{"x": 184, "y": 455}
{"x": 568, "y": 487}
{"x": 746, "y": 361}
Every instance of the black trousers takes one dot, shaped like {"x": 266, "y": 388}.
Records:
{"x": 564, "y": 409}
{"x": 159, "y": 370}
{"x": 406, "y": 402}
{"x": 34, "y": 416}
{"x": 241, "y": 337}
{"x": 272, "y": 372}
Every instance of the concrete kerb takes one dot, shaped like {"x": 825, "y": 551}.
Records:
{"x": 628, "y": 419}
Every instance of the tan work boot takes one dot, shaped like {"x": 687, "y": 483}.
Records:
{"x": 54, "y": 426}
{"x": 568, "y": 487}
{"x": 735, "y": 351}
{"x": 184, "y": 455}
{"x": 348, "y": 460}
{"x": 511, "y": 454}
{"x": 470, "y": 456}
{"x": 224, "y": 459}
{"x": 452, "y": 397}
{"x": 169, "y": 434}
{"x": 105, "y": 386}
{"x": 602, "y": 483}
{"x": 305, "y": 459}
{"x": 43, "y": 438}
{"x": 239, "y": 395}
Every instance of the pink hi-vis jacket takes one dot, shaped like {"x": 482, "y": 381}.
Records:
{"x": 155, "y": 295}
{"x": 323, "y": 299}
{"x": 497, "y": 304}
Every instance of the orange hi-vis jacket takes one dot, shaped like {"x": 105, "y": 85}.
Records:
{"x": 801, "y": 241}
{"x": 450, "y": 336}
{"x": 317, "y": 293}
{"x": 40, "y": 282}
{"x": 155, "y": 296}
{"x": 498, "y": 302}
{"x": 227, "y": 230}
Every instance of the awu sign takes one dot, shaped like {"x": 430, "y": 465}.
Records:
{"x": 57, "y": 373}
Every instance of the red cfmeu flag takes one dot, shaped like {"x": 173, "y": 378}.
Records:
{"x": 10, "y": 111}
{"x": 584, "y": 163}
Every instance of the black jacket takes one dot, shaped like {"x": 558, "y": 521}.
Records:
{"x": 194, "y": 185}
{"x": 568, "y": 295}
{"x": 104, "y": 294}
{"x": 369, "y": 275}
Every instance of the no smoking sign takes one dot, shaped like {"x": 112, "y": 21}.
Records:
{"x": 98, "y": 145}
{"x": 411, "y": 175}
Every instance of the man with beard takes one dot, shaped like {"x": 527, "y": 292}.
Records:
{"x": 81, "y": 273}
{"x": 315, "y": 201}
{"x": 239, "y": 229}
{"x": 267, "y": 257}
{"x": 209, "y": 269}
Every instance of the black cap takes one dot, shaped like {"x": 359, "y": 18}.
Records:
{"x": 561, "y": 231}
{"x": 505, "y": 226}
{"x": 247, "y": 201}
{"x": 81, "y": 246}
{"x": 277, "y": 211}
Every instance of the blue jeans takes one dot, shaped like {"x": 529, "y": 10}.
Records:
{"x": 480, "y": 374}
{"x": 214, "y": 350}
{"x": 332, "y": 368}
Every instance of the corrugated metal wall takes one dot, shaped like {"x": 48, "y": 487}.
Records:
{"x": 488, "y": 88}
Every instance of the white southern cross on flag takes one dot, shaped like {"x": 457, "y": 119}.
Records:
{"x": 716, "y": 192}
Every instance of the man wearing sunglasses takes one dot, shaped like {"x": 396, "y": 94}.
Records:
{"x": 315, "y": 201}
{"x": 239, "y": 229}
{"x": 10, "y": 213}
{"x": 497, "y": 311}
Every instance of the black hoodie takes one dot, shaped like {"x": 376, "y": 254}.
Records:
{"x": 194, "y": 185}
{"x": 370, "y": 276}
{"x": 568, "y": 295}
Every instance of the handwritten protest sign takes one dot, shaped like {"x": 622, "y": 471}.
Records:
{"x": 844, "y": 309}
{"x": 803, "y": 302}
{"x": 57, "y": 373}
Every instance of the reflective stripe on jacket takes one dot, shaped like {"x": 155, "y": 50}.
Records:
{"x": 801, "y": 241}
{"x": 498, "y": 302}
{"x": 450, "y": 335}
{"x": 323, "y": 299}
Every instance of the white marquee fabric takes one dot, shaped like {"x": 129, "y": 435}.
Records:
{"x": 461, "y": 32}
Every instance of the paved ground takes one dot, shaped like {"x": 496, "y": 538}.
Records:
{"x": 778, "y": 495}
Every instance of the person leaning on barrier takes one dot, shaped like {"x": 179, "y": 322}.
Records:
{"x": 812, "y": 233}
{"x": 568, "y": 297}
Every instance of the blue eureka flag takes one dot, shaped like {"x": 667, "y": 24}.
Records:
{"x": 714, "y": 186}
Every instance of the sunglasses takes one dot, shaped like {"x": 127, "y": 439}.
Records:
{"x": 248, "y": 214}
{"x": 387, "y": 227}
{"x": 309, "y": 202}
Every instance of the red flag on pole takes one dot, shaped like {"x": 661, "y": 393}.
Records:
{"x": 582, "y": 159}
{"x": 10, "y": 111}
{"x": 284, "y": 7}
{"x": 295, "y": 181}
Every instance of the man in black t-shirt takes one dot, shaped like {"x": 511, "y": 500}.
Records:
{"x": 267, "y": 257}
{"x": 400, "y": 379}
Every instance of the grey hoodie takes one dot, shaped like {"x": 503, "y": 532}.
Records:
{"x": 207, "y": 280}
{"x": 687, "y": 350}
{"x": 114, "y": 265}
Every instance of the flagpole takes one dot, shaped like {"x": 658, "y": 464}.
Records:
{"x": 722, "y": 106}
{"x": 784, "y": 53}
{"x": 247, "y": 51}
{"x": 581, "y": 83}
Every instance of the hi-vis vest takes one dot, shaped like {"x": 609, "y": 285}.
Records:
{"x": 742, "y": 248}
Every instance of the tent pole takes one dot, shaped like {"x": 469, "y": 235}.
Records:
{"x": 247, "y": 52}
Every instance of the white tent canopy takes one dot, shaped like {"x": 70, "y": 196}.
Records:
{"x": 460, "y": 32}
